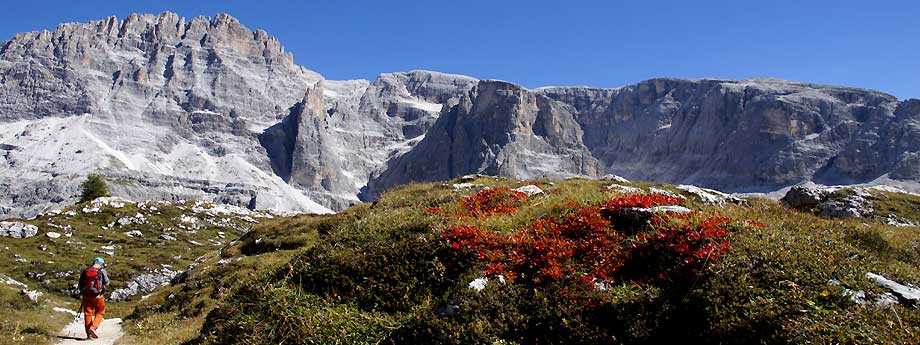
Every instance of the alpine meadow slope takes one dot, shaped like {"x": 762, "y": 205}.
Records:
{"x": 171, "y": 109}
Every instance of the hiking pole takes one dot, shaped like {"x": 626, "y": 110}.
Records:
{"x": 76, "y": 318}
{"x": 79, "y": 311}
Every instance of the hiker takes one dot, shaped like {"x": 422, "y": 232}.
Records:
{"x": 93, "y": 282}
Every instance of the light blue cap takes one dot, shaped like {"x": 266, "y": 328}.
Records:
{"x": 98, "y": 261}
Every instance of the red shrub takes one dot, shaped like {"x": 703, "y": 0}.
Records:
{"x": 493, "y": 201}
{"x": 641, "y": 200}
{"x": 756, "y": 224}
{"x": 585, "y": 247}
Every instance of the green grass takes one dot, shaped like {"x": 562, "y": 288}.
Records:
{"x": 53, "y": 265}
{"x": 379, "y": 273}
{"x": 902, "y": 205}
{"x": 27, "y": 322}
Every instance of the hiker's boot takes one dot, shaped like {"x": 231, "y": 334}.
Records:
{"x": 91, "y": 333}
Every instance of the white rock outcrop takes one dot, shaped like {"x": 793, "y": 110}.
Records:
{"x": 205, "y": 108}
{"x": 17, "y": 230}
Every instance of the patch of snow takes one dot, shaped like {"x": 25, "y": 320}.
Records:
{"x": 52, "y": 234}
{"x": 206, "y": 112}
{"x": 891, "y": 189}
{"x": 423, "y": 105}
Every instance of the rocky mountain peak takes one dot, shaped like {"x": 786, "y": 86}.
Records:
{"x": 206, "y": 108}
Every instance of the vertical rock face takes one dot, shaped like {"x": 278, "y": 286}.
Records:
{"x": 498, "y": 128}
{"x": 175, "y": 105}
{"x": 169, "y": 108}
{"x": 752, "y": 135}
{"x": 304, "y": 152}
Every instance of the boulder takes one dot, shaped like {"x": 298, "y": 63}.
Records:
{"x": 804, "y": 197}
{"x": 32, "y": 294}
{"x": 710, "y": 196}
{"x": 134, "y": 234}
{"x": 624, "y": 189}
{"x": 17, "y": 230}
{"x": 530, "y": 190}
{"x": 143, "y": 284}
{"x": 906, "y": 294}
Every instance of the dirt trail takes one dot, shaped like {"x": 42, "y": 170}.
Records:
{"x": 74, "y": 334}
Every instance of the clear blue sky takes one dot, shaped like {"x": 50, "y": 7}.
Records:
{"x": 871, "y": 44}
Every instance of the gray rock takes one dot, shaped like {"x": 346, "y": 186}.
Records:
{"x": 710, "y": 196}
{"x": 530, "y": 190}
{"x": 804, "y": 197}
{"x": 837, "y": 209}
{"x": 208, "y": 109}
{"x": 615, "y": 178}
{"x": 629, "y": 219}
{"x": 894, "y": 220}
{"x": 498, "y": 129}
{"x": 861, "y": 297}
{"x": 134, "y": 234}
{"x": 143, "y": 284}
{"x": 908, "y": 295}
{"x": 665, "y": 209}
{"x": 17, "y": 230}
{"x": 32, "y": 294}
{"x": 625, "y": 189}
{"x": 771, "y": 133}
{"x": 831, "y": 202}
{"x": 167, "y": 237}
{"x": 856, "y": 204}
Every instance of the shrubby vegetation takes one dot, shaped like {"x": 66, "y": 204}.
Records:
{"x": 427, "y": 264}
{"x": 94, "y": 187}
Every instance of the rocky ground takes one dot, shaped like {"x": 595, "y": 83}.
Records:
{"x": 145, "y": 244}
{"x": 890, "y": 205}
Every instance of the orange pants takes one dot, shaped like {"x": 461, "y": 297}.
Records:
{"x": 93, "y": 310}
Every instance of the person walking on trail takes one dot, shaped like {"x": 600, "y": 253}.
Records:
{"x": 93, "y": 282}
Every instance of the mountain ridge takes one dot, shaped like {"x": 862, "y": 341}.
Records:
{"x": 168, "y": 100}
